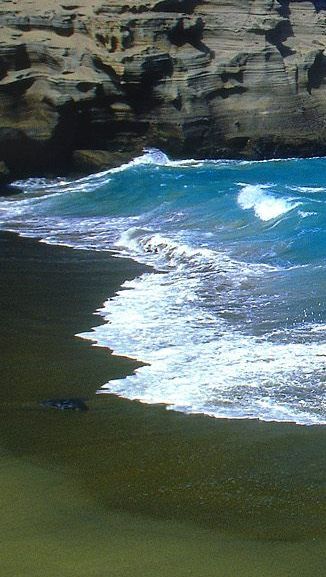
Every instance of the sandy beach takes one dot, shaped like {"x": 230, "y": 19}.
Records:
{"x": 127, "y": 489}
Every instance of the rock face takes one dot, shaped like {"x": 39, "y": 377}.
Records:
{"x": 200, "y": 78}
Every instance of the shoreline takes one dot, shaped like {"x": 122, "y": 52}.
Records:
{"x": 134, "y": 362}
{"x": 247, "y": 479}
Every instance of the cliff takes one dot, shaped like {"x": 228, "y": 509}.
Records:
{"x": 85, "y": 82}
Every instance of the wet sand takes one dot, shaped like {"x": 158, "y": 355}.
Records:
{"x": 126, "y": 489}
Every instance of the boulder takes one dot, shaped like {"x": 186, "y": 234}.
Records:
{"x": 65, "y": 404}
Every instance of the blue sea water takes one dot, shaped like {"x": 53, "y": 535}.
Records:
{"x": 231, "y": 321}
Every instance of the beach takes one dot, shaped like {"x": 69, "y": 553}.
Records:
{"x": 127, "y": 488}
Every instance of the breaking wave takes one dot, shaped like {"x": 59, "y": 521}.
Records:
{"x": 231, "y": 319}
{"x": 266, "y": 206}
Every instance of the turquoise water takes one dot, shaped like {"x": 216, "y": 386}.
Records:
{"x": 232, "y": 320}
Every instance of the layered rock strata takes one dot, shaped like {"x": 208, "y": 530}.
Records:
{"x": 85, "y": 82}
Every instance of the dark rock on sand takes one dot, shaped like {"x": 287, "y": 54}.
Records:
{"x": 65, "y": 404}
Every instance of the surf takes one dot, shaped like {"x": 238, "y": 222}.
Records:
{"x": 230, "y": 322}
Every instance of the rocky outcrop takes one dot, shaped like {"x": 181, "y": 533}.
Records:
{"x": 201, "y": 78}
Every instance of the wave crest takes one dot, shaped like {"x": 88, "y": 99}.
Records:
{"x": 265, "y": 205}
{"x": 165, "y": 252}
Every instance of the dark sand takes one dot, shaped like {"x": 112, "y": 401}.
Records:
{"x": 127, "y": 489}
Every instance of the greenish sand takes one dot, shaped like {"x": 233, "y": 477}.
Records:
{"x": 127, "y": 489}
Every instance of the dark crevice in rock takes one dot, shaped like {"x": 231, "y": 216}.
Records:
{"x": 183, "y": 6}
{"x": 236, "y": 75}
{"x": 84, "y": 132}
{"x": 22, "y": 60}
{"x": 284, "y": 9}
{"x": 157, "y": 68}
{"x": 3, "y": 68}
{"x": 228, "y": 91}
{"x": 19, "y": 60}
{"x": 185, "y": 32}
{"x": 25, "y": 156}
{"x": 62, "y": 27}
{"x": 107, "y": 69}
{"x": 296, "y": 77}
{"x": 18, "y": 88}
{"x": 319, "y": 5}
{"x": 114, "y": 44}
{"x": 317, "y": 72}
{"x": 141, "y": 97}
{"x": 177, "y": 102}
{"x": 139, "y": 82}
{"x": 282, "y": 31}
{"x": 72, "y": 7}
{"x": 101, "y": 39}
{"x": 237, "y": 143}
{"x": 275, "y": 147}
{"x": 85, "y": 86}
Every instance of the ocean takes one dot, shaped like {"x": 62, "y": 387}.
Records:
{"x": 230, "y": 318}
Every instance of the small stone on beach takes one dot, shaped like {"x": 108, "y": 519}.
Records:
{"x": 65, "y": 404}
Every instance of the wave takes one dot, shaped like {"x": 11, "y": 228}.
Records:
{"x": 198, "y": 362}
{"x": 151, "y": 156}
{"x": 230, "y": 317}
{"x": 265, "y": 205}
{"x": 307, "y": 189}
{"x": 162, "y": 252}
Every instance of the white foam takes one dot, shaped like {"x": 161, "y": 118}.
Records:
{"x": 189, "y": 323}
{"x": 308, "y": 189}
{"x": 151, "y": 156}
{"x": 162, "y": 251}
{"x": 282, "y": 160}
{"x": 306, "y": 214}
{"x": 198, "y": 362}
{"x": 265, "y": 205}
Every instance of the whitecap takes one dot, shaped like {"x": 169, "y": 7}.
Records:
{"x": 306, "y": 214}
{"x": 151, "y": 156}
{"x": 307, "y": 189}
{"x": 266, "y": 206}
{"x": 198, "y": 362}
{"x": 162, "y": 251}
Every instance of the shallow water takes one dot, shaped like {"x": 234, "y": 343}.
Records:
{"x": 234, "y": 324}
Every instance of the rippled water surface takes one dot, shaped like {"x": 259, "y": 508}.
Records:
{"x": 232, "y": 319}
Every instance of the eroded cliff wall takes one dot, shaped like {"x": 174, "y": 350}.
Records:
{"x": 205, "y": 78}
